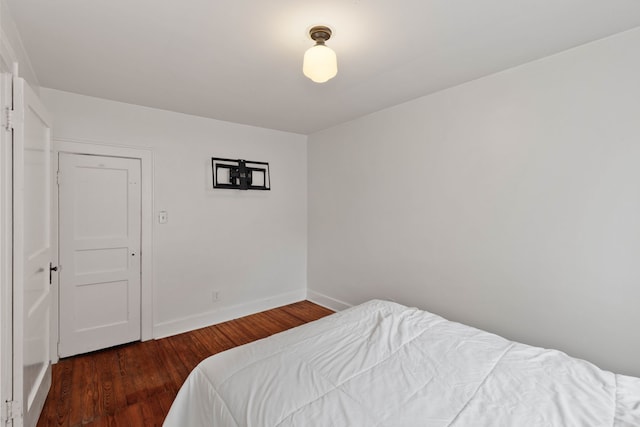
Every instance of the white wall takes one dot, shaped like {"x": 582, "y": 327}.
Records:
{"x": 249, "y": 245}
{"x": 11, "y": 48}
{"x": 511, "y": 203}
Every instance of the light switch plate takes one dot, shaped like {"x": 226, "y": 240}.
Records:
{"x": 162, "y": 217}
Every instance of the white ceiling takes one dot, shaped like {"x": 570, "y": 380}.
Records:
{"x": 241, "y": 60}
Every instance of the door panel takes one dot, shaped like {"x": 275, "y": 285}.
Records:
{"x": 99, "y": 203}
{"x": 101, "y": 197}
{"x": 32, "y": 251}
{"x": 112, "y": 296}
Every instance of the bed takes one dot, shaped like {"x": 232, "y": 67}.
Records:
{"x": 384, "y": 364}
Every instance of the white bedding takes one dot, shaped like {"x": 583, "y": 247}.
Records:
{"x": 383, "y": 364}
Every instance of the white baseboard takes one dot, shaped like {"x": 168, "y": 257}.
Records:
{"x": 327, "y": 301}
{"x": 190, "y": 323}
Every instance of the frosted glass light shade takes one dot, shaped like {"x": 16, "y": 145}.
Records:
{"x": 320, "y": 63}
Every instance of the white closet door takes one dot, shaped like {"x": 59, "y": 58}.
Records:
{"x": 32, "y": 253}
{"x": 99, "y": 238}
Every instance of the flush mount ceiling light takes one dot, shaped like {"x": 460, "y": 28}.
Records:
{"x": 320, "y": 62}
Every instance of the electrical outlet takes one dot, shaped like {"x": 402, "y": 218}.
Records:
{"x": 215, "y": 296}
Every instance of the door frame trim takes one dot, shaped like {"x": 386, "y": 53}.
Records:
{"x": 6, "y": 243}
{"x": 61, "y": 145}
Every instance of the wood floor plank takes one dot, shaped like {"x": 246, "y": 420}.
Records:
{"x": 270, "y": 323}
{"x": 233, "y": 333}
{"x": 214, "y": 340}
{"x": 78, "y": 391}
{"x": 285, "y": 319}
{"x": 131, "y": 415}
{"x": 132, "y": 375}
{"x": 304, "y": 309}
{"x": 156, "y": 377}
{"x": 172, "y": 364}
{"x": 183, "y": 348}
{"x": 165, "y": 400}
{"x": 152, "y": 412}
{"x": 112, "y": 394}
{"x": 60, "y": 386}
{"x": 135, "y": 384}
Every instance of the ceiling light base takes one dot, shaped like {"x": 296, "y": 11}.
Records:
{"x": 320, "y": 34}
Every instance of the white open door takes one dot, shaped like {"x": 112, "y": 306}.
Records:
{"x": 31, "y": 254}
{"x": 99, "y": 204}
{"x": 6, "y": 249}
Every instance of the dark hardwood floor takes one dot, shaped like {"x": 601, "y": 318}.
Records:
{"x": 135, "y": 384}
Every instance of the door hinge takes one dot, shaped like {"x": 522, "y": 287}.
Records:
{"x": 57, "y": 177}
{"x": 8, "y": 118}
{"x": 12, "y": 410}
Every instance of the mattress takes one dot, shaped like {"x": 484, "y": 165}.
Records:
{"x": 383, "y": 364}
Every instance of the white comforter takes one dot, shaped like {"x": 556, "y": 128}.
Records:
{"x": 383, "y": 364}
